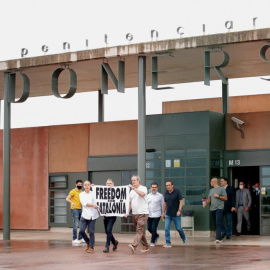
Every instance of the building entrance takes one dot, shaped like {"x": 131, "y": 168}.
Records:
{"x": 250, "y": 175}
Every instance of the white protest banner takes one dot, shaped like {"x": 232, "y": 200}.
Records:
{"x": 112, "y": 201}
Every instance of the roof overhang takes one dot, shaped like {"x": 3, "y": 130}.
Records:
{"x": 184, "y": 65}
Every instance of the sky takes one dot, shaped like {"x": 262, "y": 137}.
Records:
{"x": 31, "y": 24}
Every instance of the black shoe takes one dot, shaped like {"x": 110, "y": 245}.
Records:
{"x": 228, "y": 237}
{"x": 115, "y": 245}
{"x": 238, "y": 234}
{"x": 106, "y": 250}
{"x": 223, "y": 235}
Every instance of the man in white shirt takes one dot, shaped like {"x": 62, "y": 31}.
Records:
{"x": 139, "y": 207}
{"x": 155, "y": 204}
{"x": 89, "y": 216}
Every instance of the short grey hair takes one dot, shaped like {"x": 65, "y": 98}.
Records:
{"x": 137, "y": 177}
{"x": 109, "y": 179}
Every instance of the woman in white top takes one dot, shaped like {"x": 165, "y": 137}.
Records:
{"x": 89, "y": 216}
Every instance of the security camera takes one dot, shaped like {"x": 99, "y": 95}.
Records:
{"x": 238, "y": 121}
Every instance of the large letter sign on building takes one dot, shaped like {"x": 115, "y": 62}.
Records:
{"x": 119, "y": 84}
{"x": 73, "y": 82}
{"x": 207, "y": 66}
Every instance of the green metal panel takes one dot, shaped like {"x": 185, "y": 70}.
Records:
{"x": 247, "y": 158}
{"x": 189, "y": 133}
{"x": 177, "y": 124}
{"x": 152, "y": 142}
{"x": 200, "y": 141}
{"x": 174, "y": 142}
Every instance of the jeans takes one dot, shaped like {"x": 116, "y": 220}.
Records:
{"x": 152, "y": 224}
{"x": 76, "y": 216}
{"x": 108, "y": 225}
{"x": 177, "y": 224}
{"x": 91, "y": 227}
{"x": 217, "y": 216}
{"x": 228, "y": 230}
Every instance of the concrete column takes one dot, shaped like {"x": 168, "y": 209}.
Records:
{"x": 100, "y": 107}
{"x": 225, "y": 110}
{"x": 141, "y": 116}
{"x": 6, "y": 161}
{"x": 225, "y": 97}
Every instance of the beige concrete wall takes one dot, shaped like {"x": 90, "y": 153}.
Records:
{"x": 254, "y": 103}
{"x": 68, "y": 148}
{"x": 70, "y": 145}
{"x": 113, "y": 138}
{"x": 28, "y": 179}
{"x": 256, "y": 130}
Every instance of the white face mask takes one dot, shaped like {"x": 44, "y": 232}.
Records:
{"x": 257, "y": 189}
{"x": 241, "y": 186}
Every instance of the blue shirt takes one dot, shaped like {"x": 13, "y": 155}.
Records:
{"x": 240, "y": 198}
{"x": 172, "y": 200}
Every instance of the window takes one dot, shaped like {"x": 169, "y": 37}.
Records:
{"x": 216, "y": 163}
{"x": 58, "y": 182}
{"x": 265, "y": 200}
{"x": 187, "y": 169}
{"x": 57, "y": 200}
{"x": 153, "y": 166}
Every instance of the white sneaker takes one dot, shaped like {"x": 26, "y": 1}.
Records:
{"x": 167, "y": 246}
{"x": 81, "y": 240}
{"x": 76, "y": 241}
{"x": 218, "y": 241}
{"x": 152, "y": 245}
{"x": 132, "y": 248}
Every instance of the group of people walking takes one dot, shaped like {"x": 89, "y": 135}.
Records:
{"x": 224, "y": 201}
{"x": 145, "y": 208}
{"x": 149, "y": 208}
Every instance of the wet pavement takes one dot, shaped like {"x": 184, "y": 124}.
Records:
{"x": 53, "y": 250}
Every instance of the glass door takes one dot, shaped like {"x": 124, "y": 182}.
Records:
{"x": 265, "y": 200}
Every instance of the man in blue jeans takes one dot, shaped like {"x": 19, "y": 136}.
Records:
{"x": 217, "y": 195}
{"x": 172, "y": 209}
{"x": 76, "y": 210}
{"x": 108, "y": 225}
{"x": 89, "y": 216}
{"x": 229, "y": 207}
